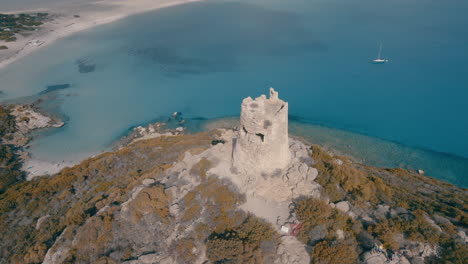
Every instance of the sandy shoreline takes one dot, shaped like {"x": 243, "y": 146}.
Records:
{"x": 37, "y": 167}
{"x": 66, "y": 21}
{"x": 69, "y": 20}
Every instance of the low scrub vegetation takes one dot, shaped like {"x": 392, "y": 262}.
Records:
{"x": 422, "y": 198}
{"x": 230, "y": 235}
{"x": 249, "y": 242}
{"x": 10, "y": 164}
{"x": 11, "y": 24}
{"x": 414, "y": 227}
{"x": 81, "y": 204}
{"x": 78, "y": 193}
{"x": 348, "y": 180}
{"x": 328, "y": 252}
{"x": 320, "y": 225}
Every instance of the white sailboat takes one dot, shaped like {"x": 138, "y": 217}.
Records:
{"x": 379, "y": 59}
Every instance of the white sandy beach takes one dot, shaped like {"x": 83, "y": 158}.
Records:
{"x": 79, "y": 16}
{"x": 69, "y": 18}
{"x": 36, "y": 167}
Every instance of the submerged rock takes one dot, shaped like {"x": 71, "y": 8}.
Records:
{"x": 56, "y": 87}
{"x": 86, "y": 65}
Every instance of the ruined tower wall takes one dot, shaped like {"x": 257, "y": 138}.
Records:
{"x": 262, "y": 145}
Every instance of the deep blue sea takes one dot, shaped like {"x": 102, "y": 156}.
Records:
{"x": 202, "y": 58}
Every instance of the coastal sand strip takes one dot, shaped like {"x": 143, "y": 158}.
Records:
{"x": 72, "y": 19}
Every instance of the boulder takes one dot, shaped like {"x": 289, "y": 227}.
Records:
{"x": 41, "y": 220}
{"x": 340, "y": 234}
{"x": 338, "y": 162}
{"x": 312, "y": 174}
{"x": 417, "y": 260}
{"x": 343, "y": 206}
{"x": 318, "y": 233}
{"x": 463, "y": 236}
{"x": 366, "y": 218}
{"x": 429, "y": 250}
{"x": 404, "y": 260}
{"x": 382, "y": 211}
{"x": 374, "y": 257}
{"x": 148, "y": 182}
{"x": 149, "y": 259}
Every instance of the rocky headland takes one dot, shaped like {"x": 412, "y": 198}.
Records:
{"x": 17, "y": 124}
{"x": 246, "y": 195}
{"x": 28, "y": 118}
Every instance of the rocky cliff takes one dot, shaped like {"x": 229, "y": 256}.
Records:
{"x": 184, "y": 198}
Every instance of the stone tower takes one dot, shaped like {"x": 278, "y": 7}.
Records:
{"x": 262, "y": 145}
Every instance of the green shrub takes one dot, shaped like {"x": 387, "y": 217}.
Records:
{"x": 10, "y": 164}
{"x": 242, "y": 243}
{"x": 313, "y": 212}
{"x": 184, "y": 251}
{"x": 226, "y": 247}
{"x": 454, "y": 253}
{"x": 348, "y": 180}
{"x": 75, "y": 194}
{"x": 327, "y": 252}
{"x": 416, "y": 229}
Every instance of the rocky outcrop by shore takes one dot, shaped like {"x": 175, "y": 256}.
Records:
{"x": 172, "y": 126}
{"x": 18, "y": 122}
{"x": 28, "y": 119}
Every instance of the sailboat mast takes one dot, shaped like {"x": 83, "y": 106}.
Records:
{"x": 380, "y": 51}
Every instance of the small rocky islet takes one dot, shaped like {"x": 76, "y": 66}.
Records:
{"x": 251, "y": 194}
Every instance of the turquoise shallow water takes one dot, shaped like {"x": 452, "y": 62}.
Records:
{"x": 203, "y": 58}
{"x": 369, "y": 150}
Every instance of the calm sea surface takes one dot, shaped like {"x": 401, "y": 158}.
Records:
{"x": 203, "y": 58}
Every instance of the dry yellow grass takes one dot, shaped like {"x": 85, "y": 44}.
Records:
{"x": 77, "y": 193}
